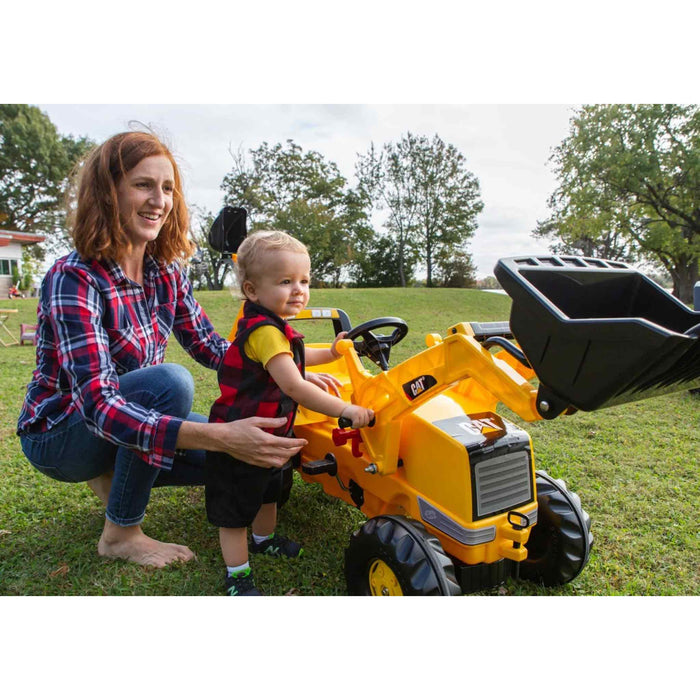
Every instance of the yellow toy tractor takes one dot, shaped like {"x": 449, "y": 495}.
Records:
{"x": 453, "y": 500}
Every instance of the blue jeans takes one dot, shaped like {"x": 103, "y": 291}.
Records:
{"x": 70, "y": 452}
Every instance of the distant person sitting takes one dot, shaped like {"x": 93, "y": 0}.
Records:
{"x": 263, "y": 375}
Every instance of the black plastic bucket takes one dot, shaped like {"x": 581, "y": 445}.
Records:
{"x": 597, "y": 332}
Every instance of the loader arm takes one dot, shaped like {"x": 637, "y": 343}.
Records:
{"x": 596, "y": 333}
{"x": 401, "y": 390}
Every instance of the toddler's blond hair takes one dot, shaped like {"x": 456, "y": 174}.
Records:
{"x": 252, "y": 251}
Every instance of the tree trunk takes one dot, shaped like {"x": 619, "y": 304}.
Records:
{"x": 428, "y": 260}
{"x": 402, "y": 274}
{"x": 685, "y": 274}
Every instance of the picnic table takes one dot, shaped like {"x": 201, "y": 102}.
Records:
{"x": 4, "y": 315}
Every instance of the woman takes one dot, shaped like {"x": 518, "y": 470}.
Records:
{"x": 101, "y": 406}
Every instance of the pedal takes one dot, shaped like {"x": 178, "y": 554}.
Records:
{"x": 328, "y": 465}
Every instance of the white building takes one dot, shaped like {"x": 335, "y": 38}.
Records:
{"x": 11, "y": 243}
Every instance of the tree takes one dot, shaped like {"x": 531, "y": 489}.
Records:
{"x": 384, "y": 182}
{"x": 629, "y": 188}
{"x": 488, "y": 282}
{"x": 448, "y": 204}
{"x": 283, "y": 187}
{"x": 455, "y": 268}
{"x": 376, "y": 263}
{"x": 431, "y": 198}
{"x": 35, "y": 165}
{"x": 608, "y": 242}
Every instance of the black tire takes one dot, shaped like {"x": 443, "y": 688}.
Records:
{"x": 560, "y": 543}
{"x": 401, "y": 549}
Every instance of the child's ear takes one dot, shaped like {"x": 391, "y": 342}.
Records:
{"x": 249, "y": 290}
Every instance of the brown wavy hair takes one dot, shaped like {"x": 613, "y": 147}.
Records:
{"x": 96, "y": 228}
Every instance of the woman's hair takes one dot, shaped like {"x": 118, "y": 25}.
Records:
{"x": 96, "y": 228}
{"x": 249, "y": 259}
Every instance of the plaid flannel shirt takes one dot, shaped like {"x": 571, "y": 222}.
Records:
{"x": 95, "y": 324}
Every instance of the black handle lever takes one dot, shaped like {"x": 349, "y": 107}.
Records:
{"x": 347, "y": 423}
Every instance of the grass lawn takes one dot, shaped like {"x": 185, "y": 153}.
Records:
{"x": 635, "y": 468}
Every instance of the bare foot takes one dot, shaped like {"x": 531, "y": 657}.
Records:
{"x": 130, "y": 543}
{"x": 101, "y": 485}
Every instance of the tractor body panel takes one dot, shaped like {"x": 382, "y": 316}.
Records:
{"x": 458, "y": 474}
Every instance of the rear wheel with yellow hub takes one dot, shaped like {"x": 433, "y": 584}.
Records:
{"x": 394, "y": 555}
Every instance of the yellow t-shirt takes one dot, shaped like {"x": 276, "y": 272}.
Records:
{"x": 266, "y": 342}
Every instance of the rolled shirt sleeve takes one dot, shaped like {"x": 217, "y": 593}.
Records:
{"x": 84, "y": 355}
{"x": 94, "y": 325}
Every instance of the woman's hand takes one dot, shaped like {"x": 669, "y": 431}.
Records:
{"x": 324, "y": 381}
{"x": 243, "y": 439}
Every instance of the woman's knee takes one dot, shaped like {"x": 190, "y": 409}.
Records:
{"x": 170, "y": 385}
{"x": 69, "y": 452}
{"x": 181, "y": 385}
{"x": 180, "y": 378}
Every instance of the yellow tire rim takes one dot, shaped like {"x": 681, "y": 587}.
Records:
{"x": 382, "y": 580}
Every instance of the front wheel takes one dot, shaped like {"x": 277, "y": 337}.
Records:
{"x": 394, "y": 555}
{"x": 560, "y": 543}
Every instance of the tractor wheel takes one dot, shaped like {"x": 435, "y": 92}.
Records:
{"x": 560, "y": 543}
{"x": 394, "y": 555}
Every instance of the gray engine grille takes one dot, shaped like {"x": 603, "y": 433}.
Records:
{"x": 501, "y": 483}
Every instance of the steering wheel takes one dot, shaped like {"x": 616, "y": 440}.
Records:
{"x": 377, "y": 347}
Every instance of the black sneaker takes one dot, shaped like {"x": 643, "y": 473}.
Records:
{"x": 277, "y": 546}
{"x": 241, "y": 584}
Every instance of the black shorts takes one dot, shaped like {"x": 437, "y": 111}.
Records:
{"x": 235, "y": 490}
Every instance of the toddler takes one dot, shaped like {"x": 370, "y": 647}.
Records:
{"x": 262, "y": 374}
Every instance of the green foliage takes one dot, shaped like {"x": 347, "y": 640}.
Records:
{"x": 634, "y": 467}
{"x": 431, "y": 199}
{"x": 629, "y": 178}
{"x": 376, "y": 263}
{"x": 455, "y": 269}
{"x": 30, "y": 268}
{"x": 35, "y": 164}
{"x": 383, "y": 184}
{"x": 598, "y": 238}
{"x": 283, "y": 187}
{"x": 489, "y": 282}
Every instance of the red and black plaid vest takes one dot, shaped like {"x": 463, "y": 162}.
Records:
{"x": 247, "y": 389}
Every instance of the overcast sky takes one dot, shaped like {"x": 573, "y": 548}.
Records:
{"x": 498, "y": 81}
{"x": 506, "y": 146}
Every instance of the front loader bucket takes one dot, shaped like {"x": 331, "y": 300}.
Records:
{"x": 598, "y": 333}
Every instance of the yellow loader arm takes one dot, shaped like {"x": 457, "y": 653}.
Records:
{"x": 595, "y": 333}
{"x": 446, "y": 362}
